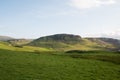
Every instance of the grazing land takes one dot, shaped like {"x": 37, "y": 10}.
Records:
{"x": 21, "y": 65}
{"x": 59, "y": 39}
{"x": 60, "y": 57}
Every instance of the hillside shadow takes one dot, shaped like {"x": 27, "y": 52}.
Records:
{"x": 107, "y": 56}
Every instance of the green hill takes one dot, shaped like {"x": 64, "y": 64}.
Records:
{"x": 72, "y": 42}
{"x": 57, "y": 41}
{"x": 114, "y": 42}
{"x": 19, "y": 42}
{"x": 62, "y": 42}
{"x": 8, "y": 46}
{"x": 65, "y": 38}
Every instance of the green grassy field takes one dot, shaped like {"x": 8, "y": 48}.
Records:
{"x": 7, "y": 46}
{"x": 18, "y": 65}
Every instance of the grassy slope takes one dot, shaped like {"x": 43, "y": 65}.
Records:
{"x": 4, "y": 45}
{"x": 89, "y": 45}
{"x": 30, "y": 66}
{"x": 20, "y": 41}
{"x": 72, "y": 42}
{"x": 15, "y": 64}
{"x": 84, "y": 44}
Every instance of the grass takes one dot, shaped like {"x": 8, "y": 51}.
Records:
{"x": 84, "y": 44}
{"x": 17, "y": 65}
{"x": 7, "y": 46}
{"x": 108, "y": 56}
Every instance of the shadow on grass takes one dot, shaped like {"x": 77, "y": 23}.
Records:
{"x": 108, "y": 56}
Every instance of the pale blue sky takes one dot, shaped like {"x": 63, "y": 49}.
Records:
{"x": 36, "y": 18}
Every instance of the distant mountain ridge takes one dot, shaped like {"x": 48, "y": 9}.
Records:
{"x": 66, "y": 42}
{"x": 15, "y": 41}
{"x": 60, "y": 37}
{"x": 69, "y": 41}
{"x": 56, "y": 41}
{"x": 116, "y": 42}
{"x": 5, "y": 38}
{"x": 19, "y": 41}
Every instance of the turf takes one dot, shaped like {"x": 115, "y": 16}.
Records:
{"x": 7, "y": 46}
{"x": 16, "y": 65}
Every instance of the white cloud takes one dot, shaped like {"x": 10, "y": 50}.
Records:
{"x": 86, "y": 4}
{"x": 114, "y": 34}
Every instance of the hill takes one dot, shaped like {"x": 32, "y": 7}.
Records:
{"x": 66, "y": 38}
{"x": 57, "y": 41}
{"x": 8, "y": 46}
{"x": 103, "y": 41}
{"x": 72, "y": 42}
{"x": 66, "y": 42}
{"x": 19, "y": 42}
{"x": 5, "y": 38}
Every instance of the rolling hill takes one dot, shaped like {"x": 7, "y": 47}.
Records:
{"x": 62, "y": 42}
{"x": 8, "y": 46}
{"x": 20, "y": 42}
{"x": 103, "y": 41}
{"x": 5, "y": 38}
{"x": 75, "y": 42}
{"x": 57, "y": 41}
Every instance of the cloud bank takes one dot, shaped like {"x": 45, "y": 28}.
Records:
{"x": 115, "y": 34}
{"x": 86, "y": 4}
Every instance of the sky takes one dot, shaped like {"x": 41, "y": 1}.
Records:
{"x": 36, "y": 18}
